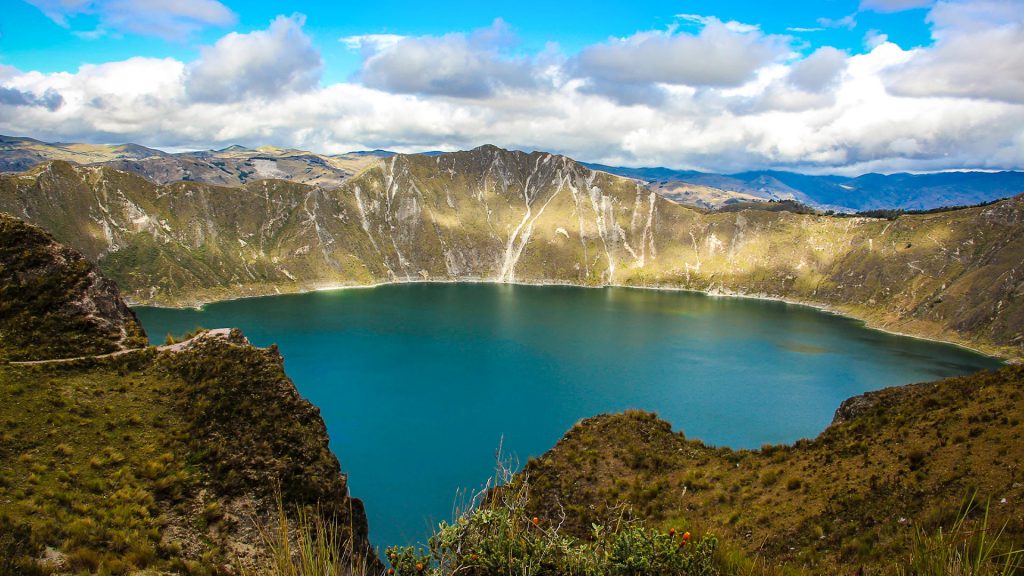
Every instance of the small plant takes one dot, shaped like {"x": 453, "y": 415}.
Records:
{"x": 968, "y": 548}
{"x": 311, "y": 545}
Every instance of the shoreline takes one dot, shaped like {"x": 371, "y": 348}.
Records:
{"x": 826, "y": 308}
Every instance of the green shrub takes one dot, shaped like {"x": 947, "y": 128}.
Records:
{"x": 494, "y": 535}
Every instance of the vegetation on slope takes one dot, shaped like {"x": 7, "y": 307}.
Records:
{"x": 53, "y": 303}
{"x": 506, "y": 216}
{"x": 894, "y": 461}
{"x": 162, "y": 459}
{"x": 496, "y": 536}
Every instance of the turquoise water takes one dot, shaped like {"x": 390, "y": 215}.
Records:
{"x": 419, "y": 383}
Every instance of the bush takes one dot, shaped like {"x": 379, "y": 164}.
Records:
{"x": 495, "y": 535}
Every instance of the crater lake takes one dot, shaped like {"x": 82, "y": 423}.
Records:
{"x": 419, "y": 384}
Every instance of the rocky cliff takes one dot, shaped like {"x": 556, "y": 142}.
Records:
{"x": 494, "y": 215}
{"x": 164, "y": 459}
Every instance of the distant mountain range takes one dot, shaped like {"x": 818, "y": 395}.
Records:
{"x": 231, "y": 166}
{"x": 868, "y": 192}
{"x": 237, "y": 165}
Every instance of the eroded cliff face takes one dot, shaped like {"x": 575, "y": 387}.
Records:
{"x": 494, "y": 215}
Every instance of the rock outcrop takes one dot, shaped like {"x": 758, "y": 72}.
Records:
{"x": 54, "y": 303}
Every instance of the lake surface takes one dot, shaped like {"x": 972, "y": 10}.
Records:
{"x": 419, "y": 383}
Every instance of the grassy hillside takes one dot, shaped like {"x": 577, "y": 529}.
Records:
{"x": 490, "y": 214}
{"x": 893, "y": 462}
{"x": 156, "y": 459}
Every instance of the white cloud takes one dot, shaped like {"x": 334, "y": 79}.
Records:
{"x": 49, "y": 99}
{"x": 59, "y": 10}
{"x": 978, "y": 53}
{"x": 894, "y": 5}
{"x": 874, "y": 38}
{"x": 849, "y": 22}
{"x": 631, "y": 69}
{"x": 262, "y": 64}
{"x": 731, "y": 25}
{"x": 372, "y": 42}
{"x": 825, "y": 112}
{"x": 475, "y": 65}
{"x": 171, "y": 20}
{"x": 819, "y": 70}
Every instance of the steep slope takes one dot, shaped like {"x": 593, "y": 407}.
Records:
{"x": 495, "y": 215}
{"x": 159, "y": 459}
{"x": 53, "y": 303}
{"x": 697, "y": 196}
{"x": 893, "y": 461}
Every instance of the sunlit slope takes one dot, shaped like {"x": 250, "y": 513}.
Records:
{"x": 490, "y": 214}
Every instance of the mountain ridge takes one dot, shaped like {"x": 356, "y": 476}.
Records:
{"x": 494, "y": 215}
{"x": 235, "y": 165}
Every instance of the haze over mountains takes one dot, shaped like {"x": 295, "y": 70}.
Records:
{"x": 236, "y": 165}
{"x": 867, "y": 192}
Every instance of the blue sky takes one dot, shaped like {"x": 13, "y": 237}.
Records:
{"x": 846, "y": 86}
{"x": 32, "y": 41}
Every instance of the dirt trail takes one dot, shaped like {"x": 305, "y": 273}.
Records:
{"x": 176, "y": 347}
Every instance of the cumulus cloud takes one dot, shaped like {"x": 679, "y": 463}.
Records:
{"x": 475, "y": 65}
{"x": 263, "y": 64}
{"x": 722, "y": 54}
{"x": 169, "y": 20}
{"x": 824, "y": 112}
{"x": 978, "y": 53}
{"x": 50, "y": 99}
{"x": 819, "y": 70}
